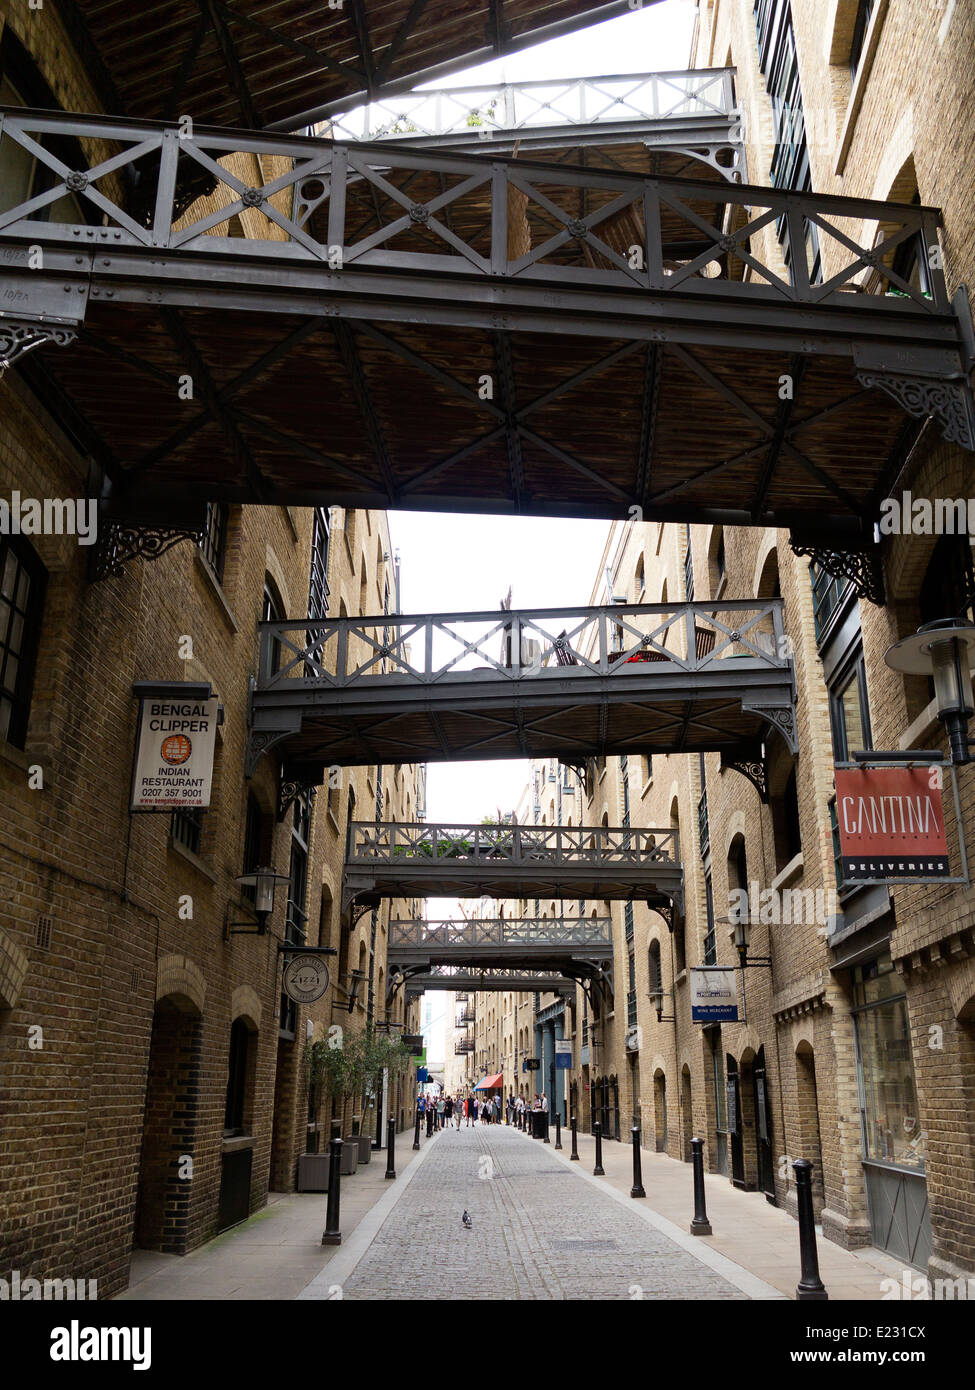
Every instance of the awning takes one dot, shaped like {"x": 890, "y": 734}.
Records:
{"x": 490, "y": 1083}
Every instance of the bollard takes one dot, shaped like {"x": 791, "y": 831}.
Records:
{"x": 558, "y": 1129}
{"x": 637, "y": 1189}
{"x": 545, "y": 1138}
{"x": 810, "y": 1287}
{"x": 599, "y": 1171}
{"x": 332, "y": 1235}
{"x": 700, "y": 1226}
{"x": 416, "y": 1132}
{"x": 390, "y": 1148}
{"x": 574, "y": 1155}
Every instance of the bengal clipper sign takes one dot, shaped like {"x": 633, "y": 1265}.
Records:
{"x": 891, "y": 824}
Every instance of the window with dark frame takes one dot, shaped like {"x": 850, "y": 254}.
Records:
{"x": 860, "y": 26}
{"x": 234, "y": 1111}
{"x": 318, "y": 585}
{"x": 295, "y": 931}
{"x": 186, "y": 828}
{"x": 213, "y": 545}
{"x": 710, "y": 939}
{"x": 23, "y": 580}
{"x": 849, "y": 708}
{"x": 271, "y": 613}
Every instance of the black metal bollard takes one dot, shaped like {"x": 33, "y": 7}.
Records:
{"x": 390, "y": 1148}
{"x": 599, "y": 1171}
{"x": 545, "y": 1138}
{"x": 574, "y": 1155}
{"x": 332, "y": 1234}
{"x": 416, "y": 1132}
{"x": 810, "y": 1287}
{"x": 637, "y": 1189}
{"x": 700, "y": 1226}
{"x": 558, "y": 1129}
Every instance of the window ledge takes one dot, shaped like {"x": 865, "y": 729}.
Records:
{"x": 192, "y": 859}
{"x": 722, "y": 585}
{"x": 681, "y": 977}
{"x": 290, "y": 514}
{"x": 331, "y": 816}
{"x": 870, "y": 46}
{"x": 17, "y": 757}
{"x": 792, "y": 870}
{"x": 217, "y": 587}
{"x": 646, "y": 787}
{"x": 927, "y": 722}
{"x": 237, "y": 1142}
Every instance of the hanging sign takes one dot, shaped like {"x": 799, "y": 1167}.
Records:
{"x": 563, "y": 1053}
{"x": 714, "y": 994}
{"x": 891, "y": 824}
{"x": 174, "y": 750}
{"x": 531, "y": 1064}
{"x": 305, "y": 979}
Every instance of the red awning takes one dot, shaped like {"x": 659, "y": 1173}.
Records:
{"x": 490, "y": 1083}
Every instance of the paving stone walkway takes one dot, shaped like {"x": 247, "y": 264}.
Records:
{"x": 540, "y": 1231}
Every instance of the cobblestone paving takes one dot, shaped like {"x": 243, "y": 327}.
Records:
{"x": 539, "y": 1232}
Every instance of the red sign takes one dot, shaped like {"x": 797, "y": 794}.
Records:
{"x": 891, "y": 823}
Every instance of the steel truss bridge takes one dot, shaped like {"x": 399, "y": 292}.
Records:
{"x": 416, "y": 981}
{"x": 633, "y": 331}
{"x": 403, "y": 860}
{"x": 574, "y": 683}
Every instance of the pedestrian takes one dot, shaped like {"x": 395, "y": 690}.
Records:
{"x": 448, "y": 1110}
{"x": 441, "y": 1106}
{"x": 459, "y": 1109}
{"x": 471, "y": 1111}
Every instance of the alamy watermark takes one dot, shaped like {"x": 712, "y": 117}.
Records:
{"x": 50, "y": 516}
{"x": 782, "y": 906}
{"x": 908, "y": 515}
{"x": 18, "y": 1289}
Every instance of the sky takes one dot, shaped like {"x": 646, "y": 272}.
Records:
{"x": 452, "y": 563}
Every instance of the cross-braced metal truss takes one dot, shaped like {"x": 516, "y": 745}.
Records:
{"x": 506, "y": 336}
{"x": 418, "y": 860}
{"x": 567, "y": 682}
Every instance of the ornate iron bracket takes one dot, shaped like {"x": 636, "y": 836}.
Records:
{"x": 19, "y": 337}
{"x": 862, "y": 567}
{"x": 258, "y": 743}
{"x": 948, "y": 402}
{"x": 118, "y": 543}
{"x": 754, "y": 768}
{"x": 670, "y": 912}
{"x": 298, "y": 780}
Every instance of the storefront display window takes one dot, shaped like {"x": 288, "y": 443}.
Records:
{"x": 892, "y": 1130}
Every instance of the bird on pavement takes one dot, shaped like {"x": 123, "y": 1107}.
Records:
{"x": 466, "y": 1218}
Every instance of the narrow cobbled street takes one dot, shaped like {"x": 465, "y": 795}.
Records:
{"x": 539, "y": 1231}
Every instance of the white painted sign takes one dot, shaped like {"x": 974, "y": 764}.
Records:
{"x": 174, "y": 750}
{"x": 714, "y": 994}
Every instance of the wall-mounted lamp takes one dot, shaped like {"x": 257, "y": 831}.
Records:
{"x": 944, "y": 650}
{"x": 356, "y": 979}
{"x": 264, "y": 881}
{"x": 657, "y": 997}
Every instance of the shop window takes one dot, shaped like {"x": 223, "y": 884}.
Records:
{"x": 23, "y": 580}
{"x": 890, "y": 1115}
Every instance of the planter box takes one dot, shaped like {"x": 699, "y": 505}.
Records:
{"x": 313, "y": 1172}
{"x": 350, "y": 1154}
{"x": 365, "y": 1147}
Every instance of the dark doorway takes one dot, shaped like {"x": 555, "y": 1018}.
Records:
{"x": 734, "y": 1124}
{"x": 763, "y": 1128}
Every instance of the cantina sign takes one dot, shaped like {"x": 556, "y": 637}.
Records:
{"x": 174, "y": 753}
{"x": 891, "y": 824}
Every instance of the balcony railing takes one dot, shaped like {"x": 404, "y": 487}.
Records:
{"x": 501, "y": 931}
{"x": 393, "y": 842}
{"x": 563, "y": 644}
{"x": 479, "y": 112}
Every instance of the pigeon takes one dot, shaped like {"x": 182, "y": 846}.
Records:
{"x": 466, "y": 1218}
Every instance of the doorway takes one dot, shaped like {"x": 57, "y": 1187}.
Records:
{"x": 763, "y": 1128}
{"x": 170, "y": 1118}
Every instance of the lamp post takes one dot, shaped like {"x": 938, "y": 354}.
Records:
{"x": 945, "y": 651}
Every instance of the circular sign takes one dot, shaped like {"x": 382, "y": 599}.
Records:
{"x": 305, "y": 979}
{"x": 176, "y": 749}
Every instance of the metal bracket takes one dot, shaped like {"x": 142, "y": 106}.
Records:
{"x": 258, "y": 743}
{"x": 754, "y": 768}
{"x": 297, "y": 780}
{"x": 948, "y": 402}
{"x": 862, "y": 567}
{"x": 118, "y": 543}
{"x": 18, "y": 337}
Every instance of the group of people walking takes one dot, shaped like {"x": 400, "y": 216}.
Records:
{"x": 442, "y": 1111}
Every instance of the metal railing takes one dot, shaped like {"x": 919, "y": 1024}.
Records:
{"x": 540, "y": 846}
{"x": 480, "y": 110}
{"x": 344, "y": 207}
{"x": 561, "y": 644}
{"x": 500, "y": 931}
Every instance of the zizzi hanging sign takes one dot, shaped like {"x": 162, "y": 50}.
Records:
{"x": 891, "y": 824}
{"x": 174, "y": 754}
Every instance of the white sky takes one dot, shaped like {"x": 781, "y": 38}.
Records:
{"x": 456, "y": 563}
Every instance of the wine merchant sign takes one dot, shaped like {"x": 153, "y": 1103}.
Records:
{"x": 891, "y": 824}
{"x": 174, "y": 752}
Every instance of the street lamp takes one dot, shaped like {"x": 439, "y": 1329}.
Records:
{"x": 944, "y": 650}
{"x": 264, "y": 881}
